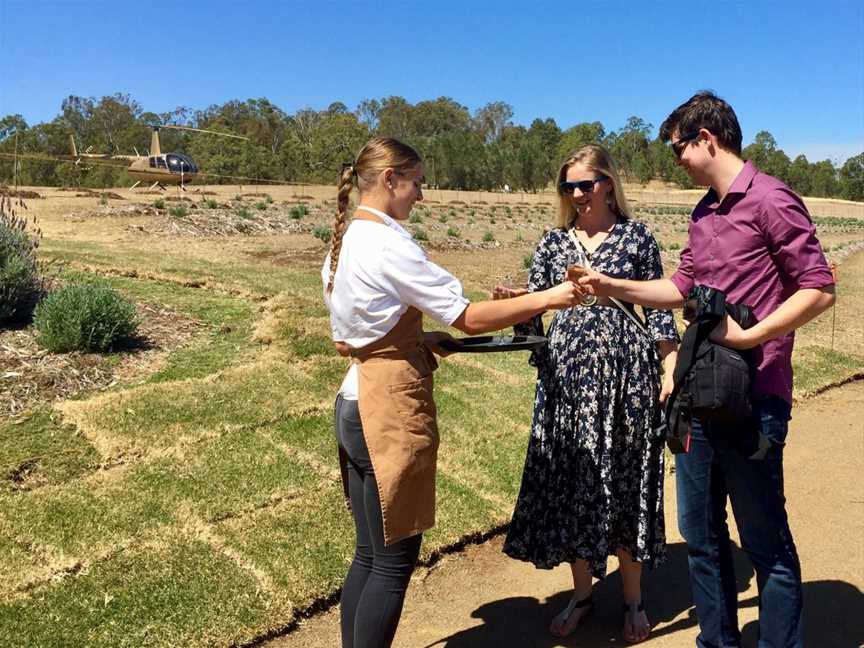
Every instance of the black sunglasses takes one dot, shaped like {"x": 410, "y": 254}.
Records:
{"x": 585, "y": 186}
{"x": 680, "y": 144}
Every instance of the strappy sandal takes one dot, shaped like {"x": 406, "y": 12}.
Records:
{"x": 563, "y": 617}
{"x": 630, "y": 612}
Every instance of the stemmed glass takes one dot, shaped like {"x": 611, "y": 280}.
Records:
{"x": 577, "y": 262}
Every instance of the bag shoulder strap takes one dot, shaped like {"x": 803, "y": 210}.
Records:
{"x": 629, "y": 313}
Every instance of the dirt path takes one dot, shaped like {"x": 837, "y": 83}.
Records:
{"x": 481, "y": 599}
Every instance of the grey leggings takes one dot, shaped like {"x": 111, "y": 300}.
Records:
{"x": 375, "y": 586}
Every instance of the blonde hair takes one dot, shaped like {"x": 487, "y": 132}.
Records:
{"x": 596, "y": 158}
{"x": 378, "y": 154}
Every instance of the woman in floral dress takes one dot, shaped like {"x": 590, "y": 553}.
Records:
{"x": 593, "y": 479}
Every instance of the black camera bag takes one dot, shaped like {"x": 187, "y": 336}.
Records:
{"x": 712, "y": 382}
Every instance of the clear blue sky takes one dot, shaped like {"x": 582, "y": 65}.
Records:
{"x": 793, "y": 68}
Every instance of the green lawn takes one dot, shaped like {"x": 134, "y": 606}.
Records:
{"x": 202, "y": 505}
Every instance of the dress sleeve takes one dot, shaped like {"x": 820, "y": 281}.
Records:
{"x": 661, "y": 322}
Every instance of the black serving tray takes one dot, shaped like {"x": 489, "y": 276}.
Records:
{"x": 493, "y": 343}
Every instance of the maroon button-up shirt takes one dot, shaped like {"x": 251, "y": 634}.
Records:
{"x": 758, "y": 245}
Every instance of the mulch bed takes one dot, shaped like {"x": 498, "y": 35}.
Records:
{"x": 31, "y": 376}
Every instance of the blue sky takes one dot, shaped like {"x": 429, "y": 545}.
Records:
{"x": 793, "y": 68}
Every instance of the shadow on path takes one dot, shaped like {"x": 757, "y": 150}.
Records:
{"x": 834, "y": 612}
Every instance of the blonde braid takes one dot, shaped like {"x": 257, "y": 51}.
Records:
{"x": 346, "y": 182}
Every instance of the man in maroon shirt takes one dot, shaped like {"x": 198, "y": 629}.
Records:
{"x": 752, "y": 238}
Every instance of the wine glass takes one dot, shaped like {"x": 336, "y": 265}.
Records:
{"x": 577, "y": 263}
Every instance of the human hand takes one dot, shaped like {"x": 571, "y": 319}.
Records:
{"x": 505, "y": 292}
{"x": 564, "y": 295}
{"x": 433, "y": 339}
{"x": 666, "y": 386}
{"x": 341, "y": 348}
{"x": 593, "y": 282}
{"x": 730, "y": 334}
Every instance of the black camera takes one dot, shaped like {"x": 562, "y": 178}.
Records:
{"x": 705, "y": 304}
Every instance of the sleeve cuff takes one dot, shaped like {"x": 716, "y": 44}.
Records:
{"x": 455, "y": 311}
{"x": 818, "y": 277}
{"x": 682, "y": 283}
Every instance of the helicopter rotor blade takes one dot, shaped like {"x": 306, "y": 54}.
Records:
{"x": 204, "y": 130}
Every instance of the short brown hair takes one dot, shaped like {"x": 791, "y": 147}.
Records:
{"x": 705, "y": 110}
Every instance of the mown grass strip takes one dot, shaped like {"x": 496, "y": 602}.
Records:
{"x": 177, "y": 592}
{"x": 39, "y": 449}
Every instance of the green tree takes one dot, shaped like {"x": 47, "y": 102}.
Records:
{"x": 823, "y": 179}
{"x": 578, "y": 136}
{"x": 763, "y": 152}
{"x": 799, "y": 176}
{"x": 852, "y": 178}
{"x": 491, "y": 119}
{"x": 630, "y": 150}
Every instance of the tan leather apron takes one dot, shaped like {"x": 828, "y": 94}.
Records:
{"x": 399, "y": 424}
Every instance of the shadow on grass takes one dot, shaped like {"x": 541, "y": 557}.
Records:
{"x": 834, "y": 612}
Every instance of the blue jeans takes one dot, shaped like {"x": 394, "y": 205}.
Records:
{"x": 714, "y": 469}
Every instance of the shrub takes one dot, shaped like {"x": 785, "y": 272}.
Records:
{"x": 261, "y": 205}
{"x": 244, "y": 213}
{"x": 527, "y": 261}
{"x": 415, "y": 218}
{"x": 20, "y": 283}
{"x": 322, "y": 232}
{"x": 488, "y": 237}
{"x": 453, "y": 231}
{"x": 159, "y": 203}
{"x": 211, "y": 204}
{"x": 298, "y": 211}
{"x": 178, "y": 212}
{"x": 419, "y": 234}
{"x": 442, "y": 218}
{"x": 83, "y": 317}
{"x": 103, "y": 199}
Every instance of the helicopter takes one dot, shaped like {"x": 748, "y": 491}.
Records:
{"x": 157, "y": 168}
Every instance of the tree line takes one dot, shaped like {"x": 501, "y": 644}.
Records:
{"x": 463, "y": 150}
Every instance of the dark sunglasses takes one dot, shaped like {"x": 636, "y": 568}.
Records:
{"x": 585, "y": 186}
{"x": 680, "y": 144}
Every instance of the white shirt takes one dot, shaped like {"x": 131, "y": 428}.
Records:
{"x": 381, "y": 272}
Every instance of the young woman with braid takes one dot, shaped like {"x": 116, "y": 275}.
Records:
{"x": 378, "y": 283}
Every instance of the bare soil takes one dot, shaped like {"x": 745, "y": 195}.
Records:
{"x": 480, "y": 598}
{"x": 31, "y": 376}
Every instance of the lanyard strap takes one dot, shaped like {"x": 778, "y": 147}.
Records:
{"x": 633, "y": 317}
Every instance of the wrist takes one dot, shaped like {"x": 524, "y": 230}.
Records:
{"x": 754, "y": 336}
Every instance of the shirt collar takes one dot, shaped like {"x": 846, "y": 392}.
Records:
{"x": 389, "y": 221}
{"x": 739, "y": 185}
{"x": 743, "y": 180}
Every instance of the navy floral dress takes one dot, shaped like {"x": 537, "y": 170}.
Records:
{"x": 593, "y": 477}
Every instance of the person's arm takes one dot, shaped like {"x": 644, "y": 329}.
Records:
{"x": 658, "y": 293}
{"x": 793, "y": 313}
{"x": 486, "y": 316}
{"x": 791, "y": 240}
{"x": 668, "y": 350}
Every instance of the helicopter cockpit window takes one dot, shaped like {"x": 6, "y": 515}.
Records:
{"x": 152, "y": 162}
{"x": 181, "y": 164}
{"x": 160, "y": 162}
